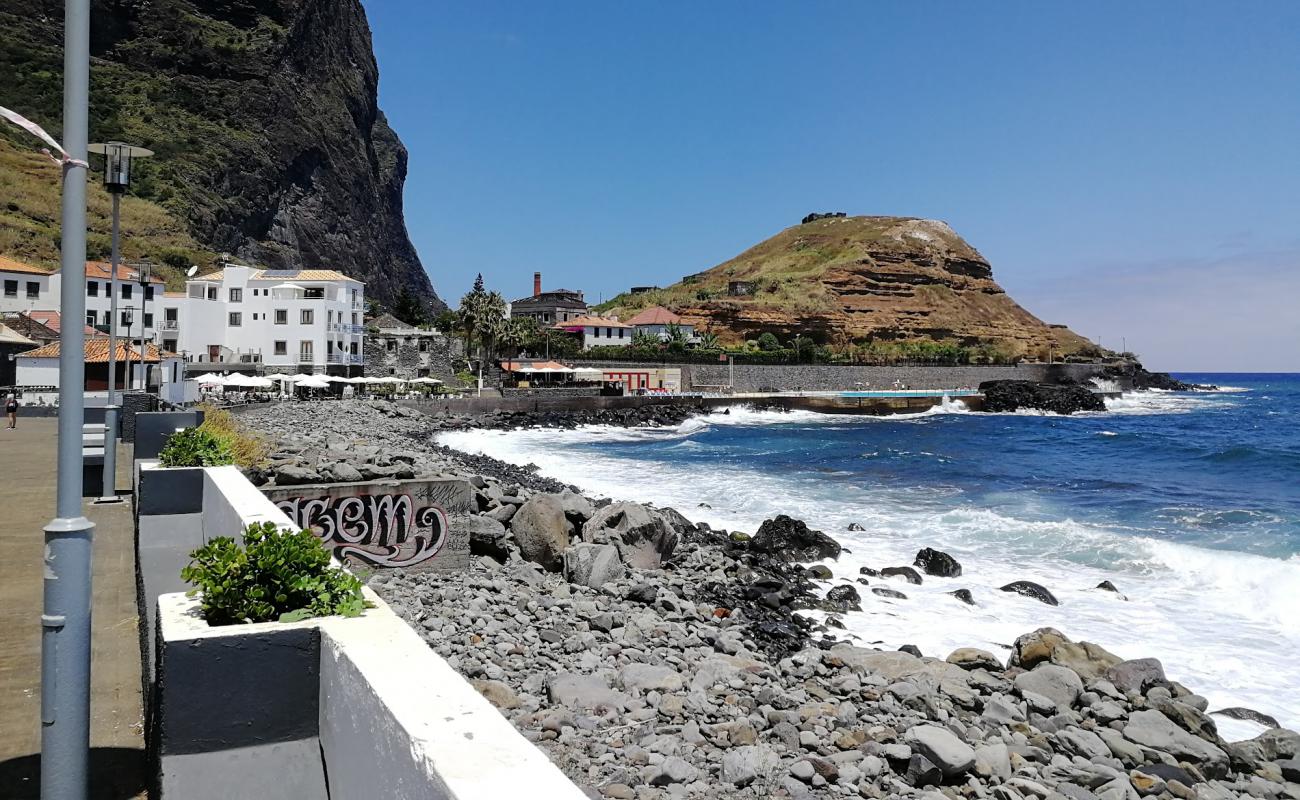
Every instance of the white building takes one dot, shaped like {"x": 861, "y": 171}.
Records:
{"x": 286, "y": 320}
{"x": 133, "y": 299}
{"x": 657, "y": 321}
{"x": 598, "y": 331}
{"x": 25, "y": 287}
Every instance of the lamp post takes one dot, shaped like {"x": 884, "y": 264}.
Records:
{"x": 117, "y": 177}
{"x": 65, "y": 611}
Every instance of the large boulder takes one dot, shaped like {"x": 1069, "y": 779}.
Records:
{"x": 793, "y": 540}
{"x": 938, "y": 563}
{"x": 1059, "y": 684}
{"x": 542, "y": 531}
{"x": 583, "y": 692}
{"x": 907, "y": 573}
{"x": 576, "y": 507}
{"x": 975, "y": 658}
{"x": 1153, "y": 729}
{"x": 741, "y": 766}
{"x": 1002, "y": 396}
{"x": 942, "y": 748}
{"x": 592, "y": 565}
{"x": 487, "y": 536}
{"x": 1031, "y": 648}
{"x": 1031, "y": 589}
{"x": 643, "y": 538}
{"x": 1137, "y": 675}
{"x": 1090, "y": 661}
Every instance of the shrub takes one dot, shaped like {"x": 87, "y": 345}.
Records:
{"x": 247, "y": 449}
{"x": 276, "y": 575}
{"x": 194, "y": 447}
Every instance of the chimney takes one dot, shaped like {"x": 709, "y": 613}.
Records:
{"x": 537, "y": 284}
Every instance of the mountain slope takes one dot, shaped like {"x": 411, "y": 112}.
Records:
{"x": 270, "y": 143}
{"x": 852, "y": 280}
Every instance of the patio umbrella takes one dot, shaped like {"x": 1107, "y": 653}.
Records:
{"x": 256, "y": 382}
{"x": 238, "y": 379}
{"x": 313, "y": 382}
{"x": 281, "y": 378}
{"x": 210, "y": 379}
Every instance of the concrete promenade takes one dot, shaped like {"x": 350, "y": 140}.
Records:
{"x": 26, "y": 505}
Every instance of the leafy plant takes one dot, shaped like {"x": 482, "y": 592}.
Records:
{"x": 195, "y": 447}
{"x": 247, "y": 449}
{"x": 276, "y": 575}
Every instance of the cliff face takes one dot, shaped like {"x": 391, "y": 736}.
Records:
{"x": 851, "y": 280}
{"x": 271, "y": 145}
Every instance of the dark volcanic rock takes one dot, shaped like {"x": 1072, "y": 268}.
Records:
{"x": 964, "y": 595}
{"x": 883, "y": 592}
{"x": 842, "y": 599}
{"x": 1002, "y": 396}
{"x": 937, "y": 562}
{"x": 902, "y": 572}
{"x": 1031, "y": 589}
{"x": 793, "y": 540}
{"x": 1247, "y": 714}
{"x": 271, "y": 145}
{"x": 1137, "y": 377}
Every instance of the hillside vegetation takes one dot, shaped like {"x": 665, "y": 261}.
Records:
{"x": 863, "y": 284}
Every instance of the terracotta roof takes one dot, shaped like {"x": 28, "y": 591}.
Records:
{"x": 54, "y": 321}
{"x": 10, "y": 336}
{"x": 102, "y": 270}
{"x": 283, "y": 275}
{"x": 97, "y": 351}
{"x": 591, "y": 322}
{"x": 387, "y": 322}
{"x": 655, "y": 315}
{"x": 511, "y": 366}
{"x": 10, "y": 265}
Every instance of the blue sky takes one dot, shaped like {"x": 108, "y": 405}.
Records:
{"x": 1130, "y": 169}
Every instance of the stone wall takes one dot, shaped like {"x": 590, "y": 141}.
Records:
{"x": 814, "y": 377}
{"x": 405, "y": 359}
{"x": 563, "y": 391}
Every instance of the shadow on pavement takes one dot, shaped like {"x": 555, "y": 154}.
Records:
{"x": 116, "y": 773}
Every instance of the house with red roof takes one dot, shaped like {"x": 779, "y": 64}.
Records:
{"x": 656, "y": 321}
{"x": 597, "y": 331}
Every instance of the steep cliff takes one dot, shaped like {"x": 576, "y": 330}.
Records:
{"x": 847, "y": 281}
{"x": 270, "y": 142}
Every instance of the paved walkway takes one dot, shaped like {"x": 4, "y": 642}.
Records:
{"x": 27, "y": 487}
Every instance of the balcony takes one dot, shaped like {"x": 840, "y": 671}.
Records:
{"x": 168, "y": 325}
{"x": 335, "y": 358}
{"x": 356, "y": 328}
{"x": 356, "y": 358}
{"x": 358, "y": 305}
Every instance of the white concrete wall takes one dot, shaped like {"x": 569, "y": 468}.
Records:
{"x": 36, "y": 371}
{"x": 605, "y": 337}
{"x": 231, "y": 503}
{"x": 45, "y": 300}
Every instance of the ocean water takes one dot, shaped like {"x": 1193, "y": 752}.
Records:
{"x": 1188, "y": 502}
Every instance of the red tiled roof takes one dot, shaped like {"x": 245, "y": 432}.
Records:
{"x": 590, "y": 322}
{"x": 102, "y": 270}
{"x": 655, "y": 315}
{"x": 97, "y": 351}
{"x": 53, "y": 321}
{"x": 10, "y": 265}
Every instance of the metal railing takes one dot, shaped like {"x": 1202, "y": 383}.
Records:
{"x": 169, "y": 325}
{"x": 334, "y": 358}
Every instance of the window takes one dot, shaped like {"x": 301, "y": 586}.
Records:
{"x": 281, "y": 316}
{"x": 148, "y": 320}
{"x": 126, "y": 319}
{"x": 148, "y": 291}
{"x": 126, "y": 291}
{"x": 92, "y": 289}
{"x": 169, "y": 345}
{"x": 609, "y": 333}
{"x": 354, "y": 318}
{"x": 169, "y": 314}
{"x": 305, "y": 351}
{"x": 236, "y": 295}
{"x": 281, "y": 348}
{"x": 212, "y": 293}
{"x": 313, "y": 293}
{"x": 620, "y": 333}
{"x": 307, "y": 316}
{"x": 236, "y": 319}
{"x": 11, "y": 288}
{"x": 392, "y": 345}
{"x": 424, "y": 345}
{"x": 33, "y": 290}
{"x": 91, "y": 319}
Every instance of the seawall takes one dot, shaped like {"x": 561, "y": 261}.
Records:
{"x": 822, "y": 377}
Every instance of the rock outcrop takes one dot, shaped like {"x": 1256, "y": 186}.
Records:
{"x": 270, "y": 142}
{"x": 849, "y": 280}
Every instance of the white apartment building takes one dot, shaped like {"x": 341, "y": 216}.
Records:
{"x": 30, "y": 288}
{"x": 308, "y": 320}
{"x": 24, "y": 287}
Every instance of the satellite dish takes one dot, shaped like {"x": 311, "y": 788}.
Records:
{"x": 189, "y": 273}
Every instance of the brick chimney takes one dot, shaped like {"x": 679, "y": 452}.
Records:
{"x": 537, "y": 284}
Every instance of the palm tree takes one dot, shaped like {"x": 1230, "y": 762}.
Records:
{"x": 708, "y": 341}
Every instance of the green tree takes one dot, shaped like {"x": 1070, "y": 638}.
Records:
{"x": 768, "y": 342}
{"x": 708, "y": 341}
{"x": 802, "y": 347}
{"x": 408, "y": 308}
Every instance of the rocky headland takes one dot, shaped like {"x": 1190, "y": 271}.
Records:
{"x": 652, "y": 657}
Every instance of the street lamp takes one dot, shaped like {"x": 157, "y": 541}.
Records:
{"x": 117, "y": 177}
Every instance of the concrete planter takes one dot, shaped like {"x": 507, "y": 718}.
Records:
{"x": 270, "y": 710}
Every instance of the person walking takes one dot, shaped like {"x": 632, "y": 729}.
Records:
{"x": 11, "y": 410}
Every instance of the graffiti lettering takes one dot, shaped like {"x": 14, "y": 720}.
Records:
{"x": 382, "y": 530}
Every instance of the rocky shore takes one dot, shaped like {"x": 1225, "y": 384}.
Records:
{"x": 651, "y": 657}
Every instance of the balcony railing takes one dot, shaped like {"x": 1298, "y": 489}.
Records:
{"x": 358, "y": 305}
{"x": 334, "y": 358}
{"x": 169, "y": 325}
{"x": 356, "y": 358}
{"x": 356, "y": 328}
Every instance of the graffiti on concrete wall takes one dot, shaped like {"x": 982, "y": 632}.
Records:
{"x": 384, "y": 524}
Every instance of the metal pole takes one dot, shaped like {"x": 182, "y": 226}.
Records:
{"x": 111, "y": 409}
{"x": 126, "y": 382}
{"x": 65, "y": 618}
